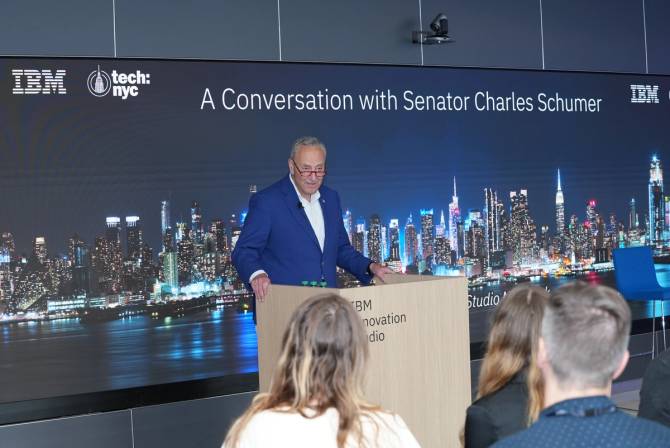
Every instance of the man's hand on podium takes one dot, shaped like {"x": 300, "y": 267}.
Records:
{"x": 260, "y": 284}
{"x": 380, "y": 271}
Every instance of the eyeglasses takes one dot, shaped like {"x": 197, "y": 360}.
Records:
{"x": 321, "y": 172}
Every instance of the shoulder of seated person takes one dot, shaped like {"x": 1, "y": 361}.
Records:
{"x": 509, "y": 390}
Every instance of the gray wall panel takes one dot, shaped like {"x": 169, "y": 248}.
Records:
{"x": 599, "y": 35}
{"x": 196, "y": 423}
{"x": 376, "y": 31}
{"x": 108, "y": 430}
{"x": 658, "y": 35}
{"x": 231, "y": 29}
{"x": 46, "y": 28}
{"x": 486, "y": 33}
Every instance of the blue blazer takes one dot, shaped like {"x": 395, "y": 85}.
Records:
{"x": 278, "y": 238}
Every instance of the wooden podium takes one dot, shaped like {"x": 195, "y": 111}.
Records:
{"x": 419, "y": 347}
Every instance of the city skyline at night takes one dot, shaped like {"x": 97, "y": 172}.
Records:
{"x": 497, "y": 235}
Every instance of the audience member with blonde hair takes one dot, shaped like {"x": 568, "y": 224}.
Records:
{"x": 315, "y": 397}
{"x": 510, "y": 390}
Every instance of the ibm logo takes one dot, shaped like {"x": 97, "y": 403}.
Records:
{"x": 643, "y": 93}
{"x": 32, "y": 82}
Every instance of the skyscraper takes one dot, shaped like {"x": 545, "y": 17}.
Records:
{"x": 454, "y": 218}
{"x": 40, "y": 249}
{"x": 7, "y": 241}
{"x": 112, "y": 259}
{"x": 411, "y": 242}
{"x": 592, "y": 216}
{"x": 6, "y": 284}
{"x": 633, "y": 222}
{"x": 394, "y": 240}
{"x": 656, "y": 203}
{"x": 493, "y": 235}
{"x": 560, "y": 215}
{"x": 235, "y": 231}
{"x": 170, "y": 270}
{"x": 441, "y": 228}
{"x": 348, "y": 221}
{"x": 196, "y": 223}
{"x": 522, "y": 228}
{"x": 427, "y": 236}
{"x": 166, "y": 225}
{"x": 81, "y": 268}
{"x": 218, "y": 229}
{"x": 375, "y": 239}
{"x": 185, "y": 258}
{"x": 133, "y": 237}
{"x": 358, "y": 238}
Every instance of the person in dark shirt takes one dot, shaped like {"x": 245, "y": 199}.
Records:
{"x": 583, "y": 347}
{"x": 655, "y": 391}
{"x": 510, "y": 388}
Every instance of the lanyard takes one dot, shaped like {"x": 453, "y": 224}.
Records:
{"x": 588, "y": 412}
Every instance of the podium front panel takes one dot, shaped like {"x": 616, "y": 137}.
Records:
{"x": 419, "y": 363}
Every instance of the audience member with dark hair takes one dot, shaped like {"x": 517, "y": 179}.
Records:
{"x": 315, "y": 397}
{"x": 510, "y": 390}
{"x": 655, "y": 391}
{"x": 583, "y": 347}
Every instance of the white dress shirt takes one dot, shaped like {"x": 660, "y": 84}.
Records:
{"x": 312, "y": 208}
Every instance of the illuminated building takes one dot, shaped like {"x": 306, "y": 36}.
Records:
{"x": 168, "y": 240}
{"x": 348, "y": 221}
{"x": 7, "y": 242}
{"x": 166, "y": 226}
{"x": 475, "y": 242}
{"x": 181, "y": 230}
{"x": 427, "y": 236}
{"x": 411, "y": 242}
{"x": 591, "y": 216}
{"x": 375, "y": 239}
{"x": 442, "y": 246}
{"x": 522, "y": 228}
{"x": 133, "y": 237}
{"x": 394, "y": 241}
{"x": 633, "y": 222}
{"x": 454, "y": 219}
{"x": 196, "y": 223}
{"x": 40, "y": 249}
{"x": 656, "y": 203}
{"x": 385, "y": 243}
{"x": 218, "y": 229}
{"x": 441, "y": 227}
{"x": 81, "y": 268}
{"x": 113, "y": 260}
{"x": 358, "y": 240}
{"x": 235, "y": 231}
{"x": 6, "y": 284}
{"x": 185, "y": 258}
{"x": 560, "y": 215}
{"x": 170, "y": 271}
{"x": 492, "y": 211}
{"x": 32, "y": 285}
{"x": 460, "y": 238}
{"x": 544, "y": 238}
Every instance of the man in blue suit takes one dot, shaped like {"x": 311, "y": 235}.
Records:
{"x": 294, "y": 230}
{"x": 583, "y": 347}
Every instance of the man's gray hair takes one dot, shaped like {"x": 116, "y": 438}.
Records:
{"x": 585, "y": 330}
{"x": 307, "y": 141}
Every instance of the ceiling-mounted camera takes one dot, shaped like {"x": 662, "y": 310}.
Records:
{"x": 439, "y": 34}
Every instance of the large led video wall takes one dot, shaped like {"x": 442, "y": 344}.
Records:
{"x": 124, "y": 185}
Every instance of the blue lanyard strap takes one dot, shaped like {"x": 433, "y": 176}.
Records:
{"x": 588, "y": 412}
